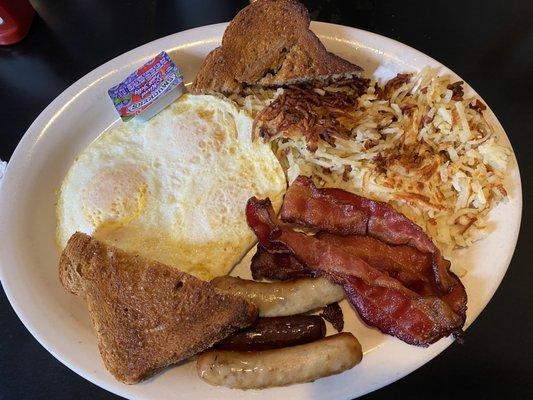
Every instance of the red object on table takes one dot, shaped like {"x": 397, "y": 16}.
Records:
{"x": 16, "y": 17}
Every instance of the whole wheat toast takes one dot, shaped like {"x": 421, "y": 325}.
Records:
{"x": 269, "y": 43}
{"x": 146, "y": 315}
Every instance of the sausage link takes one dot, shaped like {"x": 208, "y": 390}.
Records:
{"x": 276, "y": 299}
{"x": 276, "y": 332}
{"x": 280, "y": 367}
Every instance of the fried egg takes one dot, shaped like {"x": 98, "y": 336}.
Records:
{"x": 174, "y": 188}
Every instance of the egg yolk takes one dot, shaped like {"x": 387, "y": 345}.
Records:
{"x": 114, "y": 197}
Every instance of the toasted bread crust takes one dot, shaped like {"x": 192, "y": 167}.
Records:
{"x": 146, "y": 315}
{"x": 269, "y": 44}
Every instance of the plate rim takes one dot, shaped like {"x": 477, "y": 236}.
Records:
{"x": 67, "y": 96}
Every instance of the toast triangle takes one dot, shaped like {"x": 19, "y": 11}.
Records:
{"x": 147, "y": 315}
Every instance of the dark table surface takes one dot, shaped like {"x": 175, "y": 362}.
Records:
{"x": 489, "y": 43}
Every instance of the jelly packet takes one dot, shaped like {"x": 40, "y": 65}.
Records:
{"x": 148, "y": 90}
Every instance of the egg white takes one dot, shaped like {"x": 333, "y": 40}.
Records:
{"x": 174, "y": 188}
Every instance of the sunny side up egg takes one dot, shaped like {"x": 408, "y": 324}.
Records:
{"x": 174, "y": 188}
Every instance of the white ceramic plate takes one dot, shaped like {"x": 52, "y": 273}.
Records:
{"x": 60, "y": 322}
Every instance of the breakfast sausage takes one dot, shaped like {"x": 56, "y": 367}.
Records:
{"x": 275, "y": 299}
{"x": 276, "y": 332}
{"x": 279, "y": 367}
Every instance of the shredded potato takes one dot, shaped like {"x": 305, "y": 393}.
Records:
{"x": 428, "y": 152}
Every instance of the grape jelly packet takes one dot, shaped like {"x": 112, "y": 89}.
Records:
{"x": 148, "y": 90}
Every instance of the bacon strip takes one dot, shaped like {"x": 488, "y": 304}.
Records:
{"x": 316, "y": 254}
{"x": 419, "y": 321}
{"x": 404, "y": 263}
{"x": 277, "y": 266}
{"x": 340, "y": 212}
{"x": 411, "y": 267}
{"x": 381, "y": 300}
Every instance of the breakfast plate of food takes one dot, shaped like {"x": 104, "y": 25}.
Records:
{"x": 271, "y": 208}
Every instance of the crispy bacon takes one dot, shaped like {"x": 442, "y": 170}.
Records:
{"x": 304, "y": 206}
{"x": 420, "y": 321}
{"x": 340, "y": 212}
{"x": 333, "y": 314}
{"x": 277, "y": 266}
{"x": 404, "y": 263}
{"x": 382, "y": 300}
{"x": 316, "y": 254}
